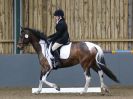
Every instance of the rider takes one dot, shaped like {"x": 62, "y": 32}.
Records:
{"x": 60, "y": 37}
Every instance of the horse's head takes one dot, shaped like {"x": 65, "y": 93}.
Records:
{"x": 24, "y": 38}
{"x": 29, "y": 35}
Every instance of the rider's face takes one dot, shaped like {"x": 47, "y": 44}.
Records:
{"x": 57, "y": 18}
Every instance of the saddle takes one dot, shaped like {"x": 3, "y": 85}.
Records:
{"x": 63, "y": 50}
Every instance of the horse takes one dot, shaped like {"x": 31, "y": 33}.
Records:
{"x": 87, "y": 54}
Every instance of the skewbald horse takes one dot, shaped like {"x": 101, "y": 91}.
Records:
{"x": 87, "y": 54}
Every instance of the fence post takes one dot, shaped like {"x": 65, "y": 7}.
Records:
{"x": 17, "y": 22}
{"x": 130, "y": 21}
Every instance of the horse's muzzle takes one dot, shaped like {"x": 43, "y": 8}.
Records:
{"x": 20, "y": 46}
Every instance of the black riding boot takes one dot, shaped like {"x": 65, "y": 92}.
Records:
{"x": 57, "y": 63}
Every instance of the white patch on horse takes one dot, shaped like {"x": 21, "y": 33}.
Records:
{"x": 99, "y": 54}
{"x": 43, "y": 46}
{"x": 87, "y": 84}
{"x": 26, "y": 36}
{"x": 65, "y": 51}
{"x": 100, "y": 72}
{"x": 92, "y": 45}
{"x": 45, "y": 52}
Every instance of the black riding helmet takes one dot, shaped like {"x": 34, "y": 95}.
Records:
{"x": 59, "y": 12}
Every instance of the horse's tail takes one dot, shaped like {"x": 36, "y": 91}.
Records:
{"x": 102, "y": 65}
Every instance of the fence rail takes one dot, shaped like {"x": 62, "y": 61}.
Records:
{"x": 107, "y": 40}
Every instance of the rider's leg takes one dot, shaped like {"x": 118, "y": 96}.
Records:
{"x": 56, "y": 46}
{"x": 56, "y": 54}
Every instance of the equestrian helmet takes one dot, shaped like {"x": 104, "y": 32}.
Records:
{"x": 59, "y": 12}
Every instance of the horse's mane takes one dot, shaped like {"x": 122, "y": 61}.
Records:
{"x": 37, "y": 33}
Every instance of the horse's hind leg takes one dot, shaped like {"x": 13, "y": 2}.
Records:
{"x": 100, "y": 73}
{"x": 86, "y": 63}
{"x": 88, "y": 79}
{"x": 103, "y": 86}
{"x": 86, "y": 66}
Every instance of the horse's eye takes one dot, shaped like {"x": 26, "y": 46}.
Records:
{"x": 26, "y": 36}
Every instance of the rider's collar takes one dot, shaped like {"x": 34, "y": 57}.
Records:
{"x": 58, "y": 20}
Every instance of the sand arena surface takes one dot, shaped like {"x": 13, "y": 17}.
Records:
{"x": 25, "y": 93}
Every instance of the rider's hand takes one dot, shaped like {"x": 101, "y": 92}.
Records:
{"x": 49, "y": 40}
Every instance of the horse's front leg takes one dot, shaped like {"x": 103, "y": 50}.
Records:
{"x": 40, "y": 83}
{"x": 43, "y": 79}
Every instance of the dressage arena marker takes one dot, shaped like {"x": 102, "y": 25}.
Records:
{"x": 68, "y": 90}
{"x": 119, "y": 51}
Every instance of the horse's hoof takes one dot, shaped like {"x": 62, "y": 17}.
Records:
{"x": 106, "y": 94}
{"x": 37, "y": 92}
{"x": 105, "y": 91}
{"x": 82, "y": 92}
{"x": 58, "y": 88}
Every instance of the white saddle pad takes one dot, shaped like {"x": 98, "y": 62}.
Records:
{"x": 65, "y": 51}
